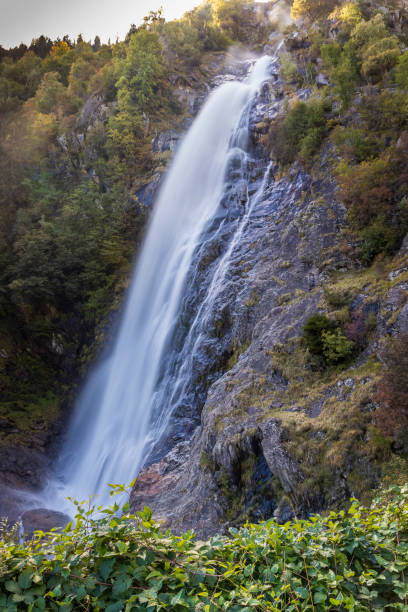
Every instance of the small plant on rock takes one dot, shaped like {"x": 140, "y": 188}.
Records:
{"x": 326, "y": 341}
{"x": 336, "y": 347}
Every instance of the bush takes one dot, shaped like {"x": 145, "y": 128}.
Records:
{"x": 366, "y": 189}
{"x": 300, "y": 133}
{"x": 324, "y": 340}
{"x": 336, "y": 347}
{"x": 356, "y": 144}
{"x": 385, "y": 113}
{"x": 312, "y": 333}
{"x": 401, "y": 73}
{"x": 345, "y": 561}
{"x": 375, "y": 192}
{"x": 289, "y": 69}
{"x": 378, "y": 238}
{"x": 392, "y": 394}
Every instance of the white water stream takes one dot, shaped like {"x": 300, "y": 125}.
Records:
{"x": 127, "y": 401}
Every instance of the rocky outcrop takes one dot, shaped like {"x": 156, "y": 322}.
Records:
{"x": 273, "y": 283}
{"x": 267, "y": 434}
{"x": 42, "y": 519}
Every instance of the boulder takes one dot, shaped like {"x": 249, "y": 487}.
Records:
{"x": 42, "y": 519}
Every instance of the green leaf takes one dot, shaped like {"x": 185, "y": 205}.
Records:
{"x": 114, "y": 607}
{"x": 177, "y": 598}
{"x": 25, "y": 578}
{"x": 122, "y": 584}
{"x": 319, "y": 597}
{"x": 121, "y": 546}
{"x": 334, "y": 602}
{"x": 12, "y": 586}
{"x": 105, "y": 567}
{"x": 302, "y": 592}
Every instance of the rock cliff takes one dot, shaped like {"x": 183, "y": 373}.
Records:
{"x": 267, "y": 433}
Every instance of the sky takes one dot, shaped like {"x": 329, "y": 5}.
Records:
{"x": 23, "y": 20}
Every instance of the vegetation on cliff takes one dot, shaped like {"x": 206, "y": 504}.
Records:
{"x": 350, "y": 61}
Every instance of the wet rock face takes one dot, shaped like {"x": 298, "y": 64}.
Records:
{"x": 236, "y": 456}
{"x": 22, "y": 472}
{"x": 236, "y": 465}
{"x": 166, "y": 141}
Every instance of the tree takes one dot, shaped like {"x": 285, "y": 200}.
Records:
{"x": 152, "y": 20}
{"x": 312, "y": 10}
{"x": 336, "y": 347}
{"x": 345, "y": 75}
{"x": 58, "y": 49}
{"x": 401, "y": 73}
{"x": 41, "y": 46}
{"x": 50, "y": 93}
{"x": 378, "y": 50}
{"x": 141, "y": 73}
{"x": 232, "y": 18}
{"x": 97, "y": 44}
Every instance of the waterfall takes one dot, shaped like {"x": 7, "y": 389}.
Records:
{"x": 129, "y": 397}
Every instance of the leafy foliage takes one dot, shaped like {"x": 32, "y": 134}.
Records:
{"x": 378, "y": 50}
{"x": 349, "y": 561}
{"x": 392, "y": 394}
{"x": 313, "y": 10}
{"x": 299, "y": 133}
{"x": 323, "y": 339}
{"x": 402, "y": 70}
{"x": 313, "y": 330}
{"x": 336, "y": 347}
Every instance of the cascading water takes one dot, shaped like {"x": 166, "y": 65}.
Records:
{"x": 129, "y": 398}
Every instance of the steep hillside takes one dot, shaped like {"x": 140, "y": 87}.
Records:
{"x": 308, "y": 409}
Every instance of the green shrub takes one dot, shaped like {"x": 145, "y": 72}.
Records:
{"x": 289, "y": 69}
{"x": 331, "y": 53}
{"x": 337, "y": 299}
{"x": 356, "y": 144}
{"x": 323, "y": 339}
{"x": 377, "y": 49}
{"x": 336, "y": 347}
{"x": 313, "y": 332}
{"x": 344, "y": 69}
{"x": 299, "y": 133}
{"x": 378, "y": 238}
{"x": 351, "y": 560}
{"x": 379, "y": 57}
{"x": 311, "y": 142}
{"x": 401, "y": 73}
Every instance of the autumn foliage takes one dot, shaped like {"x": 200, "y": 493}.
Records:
{"x": 392, "y": 394}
